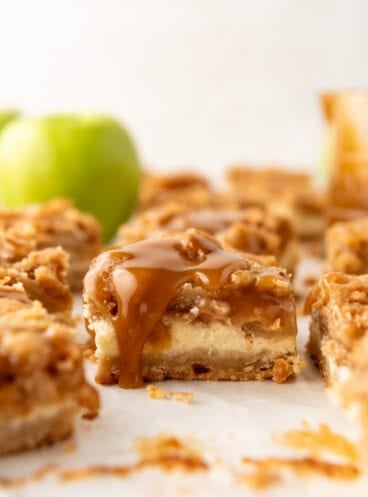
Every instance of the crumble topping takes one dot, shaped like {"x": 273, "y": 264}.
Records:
{"x": 347, "y": 297}
{"x": 51, "y": 224}
{"x": 43, "y": 274}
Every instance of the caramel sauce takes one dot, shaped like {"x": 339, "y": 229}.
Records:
{"x": 132, "y": 287}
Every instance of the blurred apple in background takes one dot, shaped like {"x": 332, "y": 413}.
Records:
{"x": 6, "y": 116}
{"x": 90, "y": 159}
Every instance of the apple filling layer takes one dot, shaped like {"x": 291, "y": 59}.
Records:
{"x": 183, "y": 307}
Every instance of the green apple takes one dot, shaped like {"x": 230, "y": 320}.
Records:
{"x": 6, "y": 116}
{"x": 89, "y": 159}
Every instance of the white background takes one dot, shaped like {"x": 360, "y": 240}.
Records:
{"x": 200, "y": 83}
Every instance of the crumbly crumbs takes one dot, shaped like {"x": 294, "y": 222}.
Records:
{"x": 319, "y": 441}
{"x": 281, "y": 370}
{"x": 157, "y": 393}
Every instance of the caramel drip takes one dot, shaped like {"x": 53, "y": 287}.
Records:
{"x": 131, "y": 287}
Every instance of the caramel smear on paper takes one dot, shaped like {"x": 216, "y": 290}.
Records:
{"x": 157, "y": 393}
{"x": 266, "y": 471}
{"x": 320, "y": 441}
{"x": 167, "y": 453}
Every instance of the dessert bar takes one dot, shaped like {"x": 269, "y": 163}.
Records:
{"x": 346, "y": 247}
{"x": 183, "y": 307}
{"x": 276, "y": 187}
{"x": 339, "y": 309}
{"x": 187, "y": 188}
{"x": 256, "y": 230}
{"x": 338, "y": 341}
{"x": 42, "y": 384}
{"x": 53, "y": 224}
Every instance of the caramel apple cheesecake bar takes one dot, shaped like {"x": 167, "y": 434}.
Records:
{"x": 183, "y": 307}
{"x": 42, "y": 383}
{"x": 275, "y": 186}
{"x": 346, "y": 247}
{"x": 187, "y": 188}
{"x": 52, "y": 224}
{"x": 338, "y": 341}
{"x": 339, "y": 320}
{"x": 255, "y": 230}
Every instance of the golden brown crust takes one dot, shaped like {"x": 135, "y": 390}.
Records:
{"x": 52, "y": 224}
{"x": 279, "y": 371}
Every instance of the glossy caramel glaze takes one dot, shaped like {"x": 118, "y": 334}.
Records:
{"x": 131, "y": 287}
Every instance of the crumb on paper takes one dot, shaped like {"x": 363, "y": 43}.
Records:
{"x": 319, "y": 441}
{"x": 157, "y": 393}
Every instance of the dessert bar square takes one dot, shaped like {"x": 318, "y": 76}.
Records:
{"x": 276, "y": 186}
{"x": 339, "y": 309}
{"x": 42, "y": 384}
{"x": 183, "y": 307}
{"x": 256, "y": 230}
{"x": 346, "y": 246}
{"x": 187, "y": 188}
{"x": 52, "y": 224}
{"x": 339, "y": 339}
